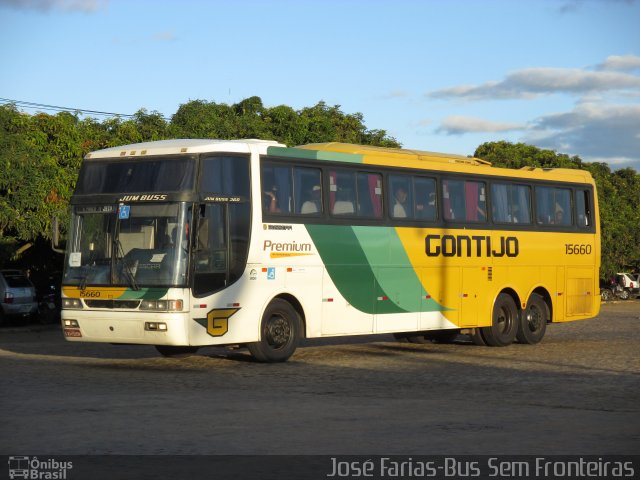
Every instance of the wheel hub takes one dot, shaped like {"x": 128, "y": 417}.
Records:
{"x": 278, "y": 331}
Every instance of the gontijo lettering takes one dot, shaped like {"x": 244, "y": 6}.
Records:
{"x": 469, "y": 246}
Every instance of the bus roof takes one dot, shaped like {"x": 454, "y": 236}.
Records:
{"x": 399, "y": 157}
{"x": 183, "y": 145}
{"x": 390, "y": 153}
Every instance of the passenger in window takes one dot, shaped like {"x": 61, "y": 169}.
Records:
{"x": 313, "y": 205}
{"x": 271, "y": 201}
{"x": 399, "y": 210}
{"x": 558, "y": 217}
{"x": 344, "y": 202}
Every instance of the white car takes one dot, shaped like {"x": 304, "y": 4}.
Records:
{"x": 629, "y": 282}
{"x": 17, "y": 296}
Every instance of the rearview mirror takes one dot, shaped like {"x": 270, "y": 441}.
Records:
{"x": 55, "y": 235}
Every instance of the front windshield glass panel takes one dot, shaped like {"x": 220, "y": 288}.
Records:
{"x": 167, "y": 174}
{"x": 138, "y": 245}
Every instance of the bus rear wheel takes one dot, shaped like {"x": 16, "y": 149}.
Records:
{"x": 504, "y": 324}
{"x": 280, "y": 331}
{"x": 533, "y": 320}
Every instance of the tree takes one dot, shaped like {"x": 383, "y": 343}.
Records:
{"x": 40, "y": 157}
{"x": 249, "y": 118}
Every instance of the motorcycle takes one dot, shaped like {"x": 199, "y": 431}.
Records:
{"x": 48, "y": 308}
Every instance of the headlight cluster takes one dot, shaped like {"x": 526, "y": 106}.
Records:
{"x": 71, "y": 303}
{"x": 161, "y": 305}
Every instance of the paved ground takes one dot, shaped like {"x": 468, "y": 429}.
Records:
{"x": 578, "y": 392}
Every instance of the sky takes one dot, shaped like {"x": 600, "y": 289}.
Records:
{"x": 437, "y": 75}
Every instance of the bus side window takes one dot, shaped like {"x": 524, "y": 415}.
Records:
{"x": 553, "y": 206}
{"x": 308, "y": 190}
{"x": 510, "y": 203}
{"x": 369, "y": 195}
{"x": 276, "y": 189}
{"x": 583, "y": 208}
{"x": 400, "y": 201}
{"x": 210, "y": 269}
{"x": 225, "y": 175}
{"x": 452, "y": 193}
{"x": 464, "y": 201}
{"x": 425, "y": 198}
{"x": 342, "y": 186}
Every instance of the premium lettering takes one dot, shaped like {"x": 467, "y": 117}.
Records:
{"x": 270, "y": 246}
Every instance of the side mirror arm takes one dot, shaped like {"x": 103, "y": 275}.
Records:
{"x": 55, "y": 236}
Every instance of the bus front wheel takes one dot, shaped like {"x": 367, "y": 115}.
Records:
{"x": 280, "y": 331}
{"x": 504, "y": 324}
{"x": 533, "y": 321}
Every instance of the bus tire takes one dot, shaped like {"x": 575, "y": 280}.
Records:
{"x": 173, "y": 351}
{"x": 533, "y": 320}
{"x": 280, "y": 332}
{"x": 504, "y": 322}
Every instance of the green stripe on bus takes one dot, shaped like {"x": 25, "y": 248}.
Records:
{"x": 315, "y": 154}
{"x": 349, "y": 268}
{"x": 144, "y": 294}
{"x": 394, "y": 271}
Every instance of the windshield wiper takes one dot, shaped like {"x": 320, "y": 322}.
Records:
{"x": 126, "y": 268}
{"x": 83, "y": 283}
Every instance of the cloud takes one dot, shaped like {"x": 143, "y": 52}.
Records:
{"x": 47, "y": 5}
{"x": 594, "y": 131}
{"x": 394, "y": 94}
{"x": 459, "y": 125}
{"x": 572, "y": 6}
{"x": 623, "y": 63}
{"x": 534, "y": 82}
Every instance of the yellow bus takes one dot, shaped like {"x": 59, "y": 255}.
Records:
{"x": 188, "y": 243}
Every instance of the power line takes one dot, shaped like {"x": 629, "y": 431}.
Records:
{"x": 43, "y": 106}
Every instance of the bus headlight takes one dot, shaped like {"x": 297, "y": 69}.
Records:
{"x": 155, "y": 326}
{"x": 71, "y": 303}
{"x": 162, "y": 305}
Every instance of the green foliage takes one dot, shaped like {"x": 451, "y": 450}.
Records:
{"x": 251, "y": 119}
{"x": 618, "y": 194}
{"x": 40, "y": 156}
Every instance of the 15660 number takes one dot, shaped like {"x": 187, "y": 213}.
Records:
{"x": 577, "y": 249}
{"x": 89, "y": 294}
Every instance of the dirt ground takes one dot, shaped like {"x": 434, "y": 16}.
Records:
{"x": 578, "y": 392}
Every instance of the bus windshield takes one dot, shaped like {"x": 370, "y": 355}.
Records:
{"x": 138, "y": 245}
